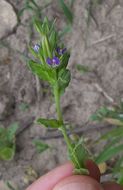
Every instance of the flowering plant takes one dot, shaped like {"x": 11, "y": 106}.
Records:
{"x": 50, "y": 64}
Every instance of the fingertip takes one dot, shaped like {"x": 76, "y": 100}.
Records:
{"x": 78, "y": 182}
{"x": 53, "y": 177}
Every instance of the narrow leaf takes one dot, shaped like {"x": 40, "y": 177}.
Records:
{"x": 38, "y": 26}
{"x": 113, "y": 133}
{"x": 35, "y": 4}
{"x": 10, "y": 186}
{"x": 67, "y": 12}
{"x": 64, "y": 61}
{"x": 63, "y": 80}
{"x": 41, "y": 147}
{"x": 65, "y": 30}
{"x": 83, "y": 68}
{"x": 49, "y": 122}
{"x": 118, "y": 165}
{"x": 11, "y": 132}
{"x": 107, "y": 154}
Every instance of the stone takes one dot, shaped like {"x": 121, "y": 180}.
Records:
{"x": 8, "y": 18}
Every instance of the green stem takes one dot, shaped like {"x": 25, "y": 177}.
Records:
{"x": 57, "y": 101}
{"x": 62, "y": 127}
{"x": 59, "y": 115}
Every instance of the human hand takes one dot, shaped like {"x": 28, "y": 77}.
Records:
{"x": 62, "y": 178}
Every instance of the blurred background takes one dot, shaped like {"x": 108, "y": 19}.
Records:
{"x": 92, "y": 30}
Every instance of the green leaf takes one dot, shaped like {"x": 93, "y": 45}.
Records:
{"x": 106, "y": 154}
{"x": 7, "y": 153}
{"x": 3, "y": 137}
{"x": 102, "y": 113}
{"x": 20, "y": 13}
{"x": 38, "y": 26}
{"x": 82, "y": 68}
{"x": 113, "y": 133}
{"x": 53, "y": 38}
{"x": 67, "y": 12}
{"x": 65, "y": 30}
{"x": 79, "y": 154}
{"x": 43, "y": 28}
{"x": 49, "y": 122}
{"x": 64, "y": 61}
{"x": 72, "y": 2}
{"x": 46, "y": 47}
{"x": 12, "y": 129}
{"x": 64, "y": 77}
{"x": 38, "y": 69}
{"x": 46, "y": 26}
{"x": 94, "y": 117}
{"x": 9, "y": 185}
{"x": 120, "y": 180}
{"x": 118, "y": 165}
{"x": 2, "y": 129}
{"x": 7, "y": 141}
{"x": 111, "y": 115}
{"x": 35, "y": 4}
{"x": 33, "y": 52}
{"x": 24, "y": 106}
{"x": 81, "y": 171}
{"x": 41, "y": 147}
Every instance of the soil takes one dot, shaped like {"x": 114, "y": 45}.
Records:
{"x": 98, "y": 44}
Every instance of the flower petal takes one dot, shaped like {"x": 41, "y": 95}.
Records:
{"x": 64, "y": 50}
{"x": 58, "y": 50}
{"x": 61, "y": 51}
{"x": 36, "y": 48}
{"x": 49, "y": 61}
{"x": 55, "y": 60}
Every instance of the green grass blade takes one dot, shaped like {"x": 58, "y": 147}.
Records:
{"x": 41, "y": 147}
{"x": 107, "y": 154}
{"x": 118, "y": 165}
{"x": 10, "y": 186}
{"x": 82, "y": 68}
{"x": 34, "y": 4}
{"x": 113, "y": 133}
{"x": 71, "y": 3}
{"x": 66, "y": 30}
{"x": 120, "y": 180}
{"x": 67, "y": 12}
{"x": 20, "y": 13}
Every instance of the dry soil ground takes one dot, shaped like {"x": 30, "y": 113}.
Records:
{"x": 98, "y": 45}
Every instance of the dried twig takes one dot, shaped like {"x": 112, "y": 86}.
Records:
{"x": 100, "y": 89}
{"x": 102, "y": 39}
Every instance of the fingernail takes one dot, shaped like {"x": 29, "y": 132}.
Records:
{"x": 78, "y": 186}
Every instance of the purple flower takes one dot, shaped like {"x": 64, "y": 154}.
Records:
{"x": 61, "y": 51}
{"x": 54, "y": 61}
{"x": 36, "y": 48}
